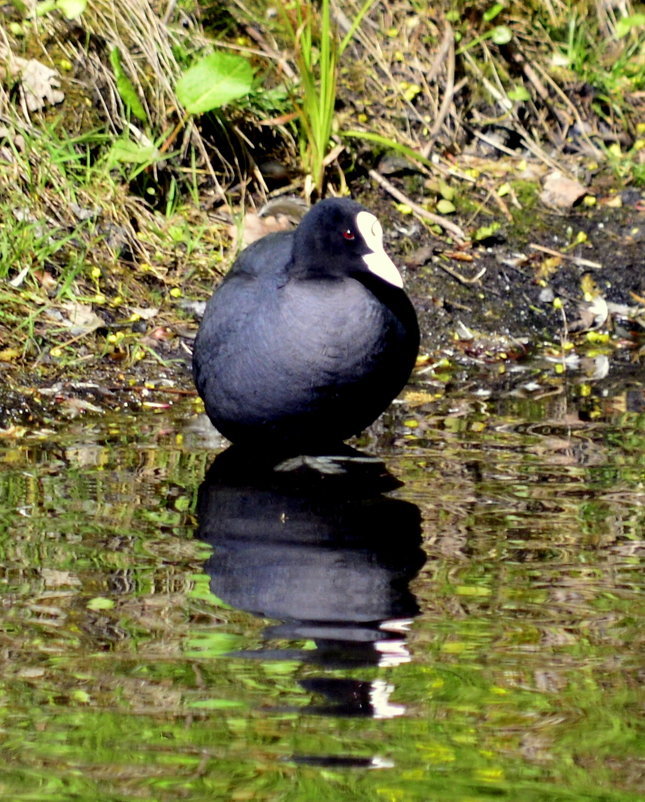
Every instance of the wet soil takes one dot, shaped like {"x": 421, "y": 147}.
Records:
{"x": 506, "y": 290}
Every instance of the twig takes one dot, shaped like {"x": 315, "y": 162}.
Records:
{"x": 445, "y": 53}
{"x": 490, "y": 141}
{"x": 418, "y": 210}
{"x": 577, "y": 259}
{"x": 462, "y": 279}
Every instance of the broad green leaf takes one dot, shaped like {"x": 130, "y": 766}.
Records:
{"x": 100, "y": 603}
{"x": 45, "y": 7}
{"x": 486, "y": 231}
{"x": 214, "y": 81}
{"x": 182, "y": 503}
{"x": 125, "y": 87}
{"x": 446, "y": 191}
{"x": 212, "y": 644}
{"x": 124, "y": 150}
{"x": 71, "y": 9}
{"x": 445, "y": 207}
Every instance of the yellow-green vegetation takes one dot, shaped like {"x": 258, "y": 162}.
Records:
{"x": 132, "y": 134}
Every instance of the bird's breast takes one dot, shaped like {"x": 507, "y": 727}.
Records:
{"x": 334, "y": 324}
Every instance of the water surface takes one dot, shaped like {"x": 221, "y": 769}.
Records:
{"x": 466, "y": 625}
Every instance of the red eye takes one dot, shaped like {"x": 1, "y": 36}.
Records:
{"x": 349, "y": 234}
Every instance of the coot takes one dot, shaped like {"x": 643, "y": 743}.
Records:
{"x": 310, "y": 335}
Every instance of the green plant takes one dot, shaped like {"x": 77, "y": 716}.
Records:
{"x": 627, "y": 165}
{"x": 213, "y": 81}
{"x": 317, "y": 50}
{"x": 70, "y": 9}
{"x": 613, "y": 64}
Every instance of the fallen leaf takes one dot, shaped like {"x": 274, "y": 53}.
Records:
{"x": 46, "y": 280}
{"x": 39, "y": 83}
{"x": 161, "y": 334}
{"x": 561, "y": 192}
{"x": 595, "y": 368}
{"x": 256, "y": 227}
{"x": 73, "y": 407}
{"x": 144, "y": 314}
{"x": 17, "y": 281}
{"x": 82, "y": 319}
{"x": 592, "y": 315}
{"x": 279, "y": 214}
{"x": 460, "y": 256}
{"x": 14, "y": 432}
{"x": 420, "y": 256}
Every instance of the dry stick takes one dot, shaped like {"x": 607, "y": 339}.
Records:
{"x": 170, "y": 10}
{"x": 462, "y": 279}
{"x": 418, "y": 210}
{"x": 447, "y": 51}
{"x": 269, "y": 52}
{"x": 577, "y": 259}
{"x": 493, "y": 144}
{"x": 446, "y": 48}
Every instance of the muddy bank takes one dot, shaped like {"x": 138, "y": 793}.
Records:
{"x": 512, "y": 299}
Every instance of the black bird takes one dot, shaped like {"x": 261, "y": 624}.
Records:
{"x": 310, "y": 335}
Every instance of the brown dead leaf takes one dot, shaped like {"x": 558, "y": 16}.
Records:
{"x": 73, "y": 407}
{"x": 420, "y": 256}
{"x": 279, "y": 214}
{"x": 561, "y": 192}
{"x": 460, "y": 256}
{"x": 256, "y": 227}
{"x": 81, "y": 318}
{"x": 161, "y": 334}
{"x": 46, "y": 280}
{"x": 14, "y": 432}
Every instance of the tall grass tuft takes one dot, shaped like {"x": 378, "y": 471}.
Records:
{"x": 317, "y": 50}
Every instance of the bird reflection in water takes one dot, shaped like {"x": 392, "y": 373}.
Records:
{"x": 315, "y": 543}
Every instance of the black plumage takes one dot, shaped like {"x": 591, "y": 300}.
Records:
{"x": 309, "y": 337}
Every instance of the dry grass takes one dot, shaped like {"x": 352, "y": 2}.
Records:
{"x": 438, "y": 93}
{"x": 414, "y": 76}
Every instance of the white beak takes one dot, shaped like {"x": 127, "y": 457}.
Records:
{"x": 377, "y": 261}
